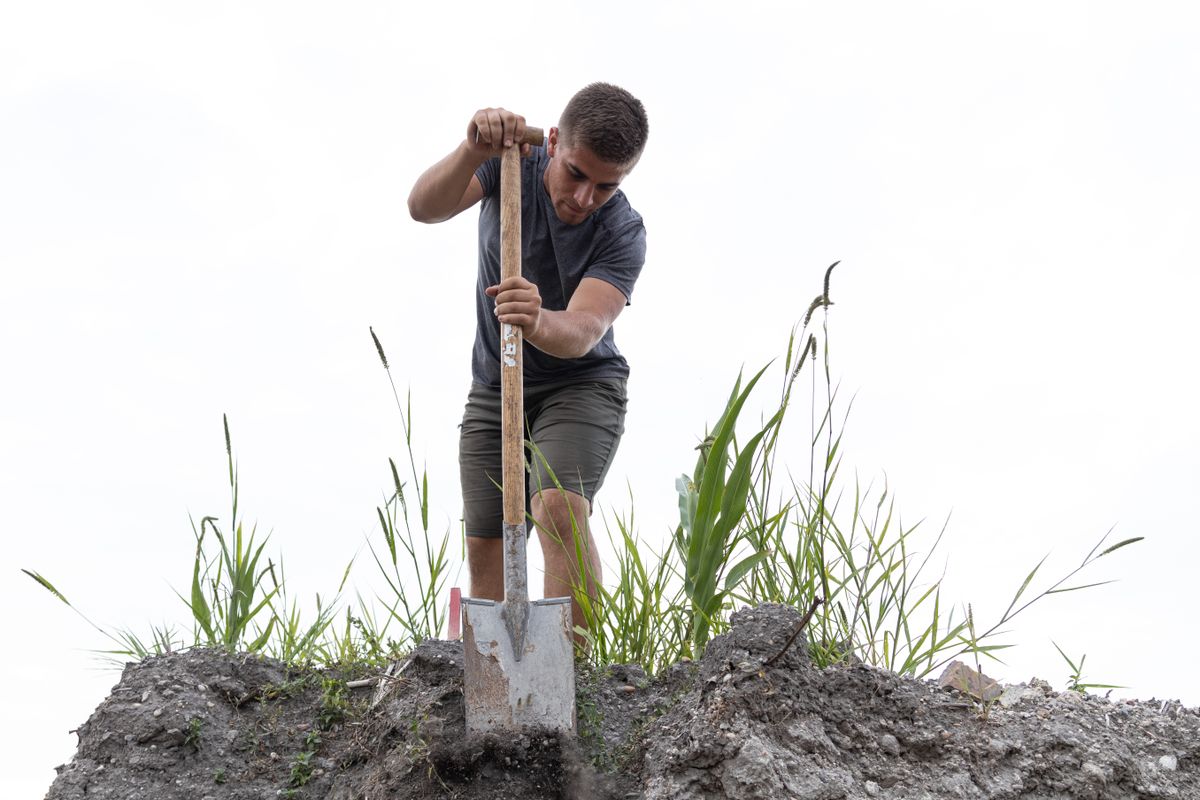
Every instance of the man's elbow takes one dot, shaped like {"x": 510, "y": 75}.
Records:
{"x": 594, "y": 338}
{"x": 418, "y": 212}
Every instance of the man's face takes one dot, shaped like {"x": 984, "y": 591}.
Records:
{"x": 577, "y": 181}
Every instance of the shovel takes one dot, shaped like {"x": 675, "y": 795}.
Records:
{"x": 519, "y": 666}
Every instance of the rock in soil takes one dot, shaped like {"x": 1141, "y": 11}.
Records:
{"x": 746, "y": 722}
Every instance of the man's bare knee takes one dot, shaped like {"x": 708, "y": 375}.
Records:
{"x": 557, "y": 509}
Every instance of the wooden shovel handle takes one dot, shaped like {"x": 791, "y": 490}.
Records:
{"x": 511, "y": 339}
{"x": 533, "y": 136}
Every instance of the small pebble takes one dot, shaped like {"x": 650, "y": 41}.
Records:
{"x": 1169, "y": 763}
{"x": 1094, "y": 773}
{"x": 889, "y": 744}
{"x": 628, "y": 689}
{"x": 211, "y": 704}
{"x": 158, "y": 712}
{"x": 872, "y": 788}
{"x": 145, "y": 695}
{"x": 274, "y": 756}
{"x": 201, "y": 687}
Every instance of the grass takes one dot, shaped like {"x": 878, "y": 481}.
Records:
{"x": 752, "y": 529}
{"x": 1075, "y": 681}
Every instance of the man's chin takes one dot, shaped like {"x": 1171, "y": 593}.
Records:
{"x": 570, "y": 216}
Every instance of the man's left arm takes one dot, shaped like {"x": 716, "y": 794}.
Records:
{"x": 570, "y": 333}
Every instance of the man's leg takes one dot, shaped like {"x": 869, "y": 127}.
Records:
{"x": 561, "y": 518}
{"x": 575, "y": 433}
{"x": 479, "y": 469}
{"x": 485, "y": 563}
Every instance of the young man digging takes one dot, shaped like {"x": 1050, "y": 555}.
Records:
{"x": 583, "y": 247}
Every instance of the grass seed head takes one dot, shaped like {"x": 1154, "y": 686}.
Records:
{"x": 378, "y": 347}
{"x": 828, "y": 272}
{"x": 816, "y": 303}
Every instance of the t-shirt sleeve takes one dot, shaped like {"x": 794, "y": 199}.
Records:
{"x": 489, "y": 176}
{"x": 619, "y": 261}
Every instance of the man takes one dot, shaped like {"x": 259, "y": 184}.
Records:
{"x": 583, "y": 247}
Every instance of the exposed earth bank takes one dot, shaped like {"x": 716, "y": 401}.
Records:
{"x": 742, "y": 723}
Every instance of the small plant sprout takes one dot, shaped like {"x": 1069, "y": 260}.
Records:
{"x": 1075, "y": 682}
{"x": 194, "y": 729}
{"x": 334, "y": 704}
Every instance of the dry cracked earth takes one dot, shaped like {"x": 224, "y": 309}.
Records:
{"x": 205, "y": 725}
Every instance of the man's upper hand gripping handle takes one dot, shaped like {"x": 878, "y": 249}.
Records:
{"x": 450, "y": 187}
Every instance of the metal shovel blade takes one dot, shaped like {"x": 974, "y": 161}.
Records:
{"x": 530, "y": 685}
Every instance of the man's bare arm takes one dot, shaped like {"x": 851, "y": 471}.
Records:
{"x": 571, "y": 333}
{"x": 450, "y": 187}
{"x": 447, "y": 188}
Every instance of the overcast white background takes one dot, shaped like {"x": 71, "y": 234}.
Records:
{"x": 202, "y": 210}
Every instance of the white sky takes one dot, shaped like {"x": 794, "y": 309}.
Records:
{"x": 202, "y": 211}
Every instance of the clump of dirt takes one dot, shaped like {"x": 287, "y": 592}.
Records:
{"x": 752, "y": 719}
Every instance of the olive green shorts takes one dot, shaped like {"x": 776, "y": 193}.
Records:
{"x": 575, "y": 427}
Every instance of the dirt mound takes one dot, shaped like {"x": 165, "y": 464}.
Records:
{"x": 748, "y": 721}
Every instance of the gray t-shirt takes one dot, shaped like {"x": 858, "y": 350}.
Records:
{"x": 609, "y": 245}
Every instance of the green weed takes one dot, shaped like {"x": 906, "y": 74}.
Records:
{"x": 335, "y": 704}
{"x": 1075, "y": 682}
{"x": 194, "y": 731}
{"x": 420, "y": 612}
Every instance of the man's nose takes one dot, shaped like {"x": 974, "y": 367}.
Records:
{"x": 584, "y": 195}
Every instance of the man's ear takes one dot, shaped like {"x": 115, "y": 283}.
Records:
{"x": 552, "y": 141}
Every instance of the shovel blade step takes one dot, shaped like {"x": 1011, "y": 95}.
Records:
{"x": 502, "y": 693}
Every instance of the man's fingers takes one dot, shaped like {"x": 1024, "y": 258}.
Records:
{"x": 496, "y": 124}
{"x": 515, "y": 282}
{"x": 518, "y": 303}
{"x": 497, "y": 128}
{"x": 480, "y": 125}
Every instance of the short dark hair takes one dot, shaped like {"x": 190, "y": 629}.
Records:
{"x": 607, "y": 120}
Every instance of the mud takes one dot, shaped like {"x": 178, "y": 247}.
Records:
{"x": 746, "y": 722}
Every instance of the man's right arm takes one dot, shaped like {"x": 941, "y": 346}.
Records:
{"x": 447, "y": 188}
{"x": 450, "y": 187}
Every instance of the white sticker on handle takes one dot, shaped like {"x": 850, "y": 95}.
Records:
{"x": 510, "y": 348}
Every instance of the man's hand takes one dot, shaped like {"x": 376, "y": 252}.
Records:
{"x": 518, "y": 302}
{"x": 450, "y": 186}
{"x": 491, "y": 130}
{"x": 571, "y": 333}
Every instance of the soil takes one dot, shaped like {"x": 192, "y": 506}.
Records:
{"x": 743, "y": 723}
